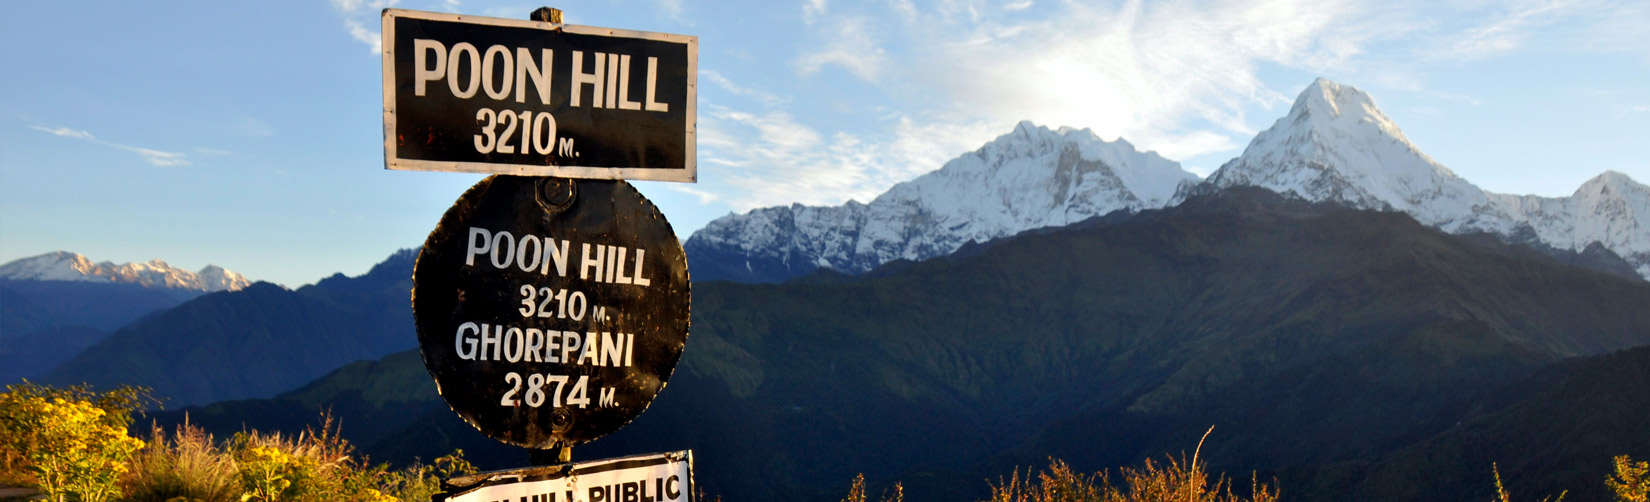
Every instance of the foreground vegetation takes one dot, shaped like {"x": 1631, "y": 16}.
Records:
{"x": 74, "y": 444}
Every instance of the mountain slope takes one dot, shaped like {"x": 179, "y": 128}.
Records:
{"x": 1557, "y": 431}
{"x": 1031, "y": 178}
{"x": 257, "y": 341}
{"x": 1308, "y": 333}
{"x": 46, "y": 322}
{"x": 1336, "y": 145}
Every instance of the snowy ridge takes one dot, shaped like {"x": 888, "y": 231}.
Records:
{"x": 1335, "y": 145}
{"x": 66, "y": 266}
{"x": 1030, "y": 178}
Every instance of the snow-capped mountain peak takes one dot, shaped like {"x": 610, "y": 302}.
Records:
{"x": 66, "y": 266}
{"x": 1336, "y": 145}
{"x": 1032, "y": 177}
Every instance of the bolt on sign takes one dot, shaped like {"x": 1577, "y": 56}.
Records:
{"x": 661, "y": 477}
{"x": 551, "y": 311}
{"x": 489, "y": 95}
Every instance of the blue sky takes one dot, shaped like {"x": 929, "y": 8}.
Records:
{"x": 249, "y": 135}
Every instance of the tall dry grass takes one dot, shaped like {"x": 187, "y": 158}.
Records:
{"x": 186, "y": 465}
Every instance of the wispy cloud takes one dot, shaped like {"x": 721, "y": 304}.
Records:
{"x": 1157, "y": 74}
{"x": 705, "y": 197}
{"x": 761, "y": 97}
{"x": 358, "y": 14}
{"x": 65, "y": 132}
{"x": 770, "y": 158}
{"x": 812, "y": 9}
{"x": 1176, "y": 78}
{"x": 850, "y": 44}
{"x": 153, "y": 157}
{"x": 1504, "y": 32}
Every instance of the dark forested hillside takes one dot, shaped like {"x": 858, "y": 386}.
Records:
{"x": 257, "y": 341}
{"x": 1310, "y": 336}
{"x": 43, "y": 323}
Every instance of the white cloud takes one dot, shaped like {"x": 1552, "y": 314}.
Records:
{"x": 1175, "y": 78}
{"x": 762, "y": 97}
{"x": 358, "y": 14}
{"x": 1503, "y": 33}
{"x": 672, "y": 9}
{"x": 372, "y": 6}
{"x": 849, "y": 44}
{"x": 157, "y": 157}
{"x": 770, "y": 158}
{"x": 705, "y": 197}
{"x": 1185, "y": 145}
{"x": 812, "y": 9}
{"x": 153, "y": 157}
{"x": 1140, "y": 71}
{"x": 360, "y": 32}
{"x": 65, "y": 132}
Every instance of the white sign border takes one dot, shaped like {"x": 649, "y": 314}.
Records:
{"x": 688, "y": 174}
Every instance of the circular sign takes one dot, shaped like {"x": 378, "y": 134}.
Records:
{"x": 551, "y": 311}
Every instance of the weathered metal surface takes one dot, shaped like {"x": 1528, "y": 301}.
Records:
{"x": 530, "y": 286}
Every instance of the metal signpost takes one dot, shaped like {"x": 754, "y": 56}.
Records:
{"x": 550, "y": 310}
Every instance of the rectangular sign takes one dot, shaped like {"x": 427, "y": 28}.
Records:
{"x": 489, "y": 95}
{"x": 660, "y": 477}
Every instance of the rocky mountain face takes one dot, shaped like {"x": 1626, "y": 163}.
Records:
{"x": 66, "y": 266}
{"x": 1033, "y": 177}
{"x": 1335, "y": 145}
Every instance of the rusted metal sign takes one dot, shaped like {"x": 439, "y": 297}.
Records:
{"x": 551, "y": 311}
{"x": 489, "y": 95}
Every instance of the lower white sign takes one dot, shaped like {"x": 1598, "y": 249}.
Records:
{"x": 660, "y": 477}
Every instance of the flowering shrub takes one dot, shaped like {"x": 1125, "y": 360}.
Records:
{"x": 73, "y": 442}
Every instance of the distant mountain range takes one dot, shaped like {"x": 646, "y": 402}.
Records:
{"x": 71, "y": 267}
{"x": 55, "y": 305}
{"x": 1330, "y": 347}
{"x": 1334, "y": 145}
{"x": 256, "y": 341}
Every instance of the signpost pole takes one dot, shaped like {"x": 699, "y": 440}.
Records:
{"x": 550, "y": 456}
{"x": 564, "y": 453}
